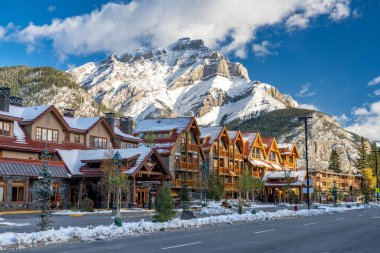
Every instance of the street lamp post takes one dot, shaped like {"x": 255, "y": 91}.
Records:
{"x": 304, "y": 119}
{"x": 335, "y": 193}
{"x": 116, "y": 159}
{"x": 287, "y": 184}
{"x": 204, "y": 171}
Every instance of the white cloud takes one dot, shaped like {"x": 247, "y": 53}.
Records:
{"x": 51, "y": 8}
{"x": 71, "y": 66}
{"x": 367, "y": 121}
{"x": 263, "y": 49}
{"x": 309, "y": 107}
{"x": 297, "y": 21}
{"x": 374, "y": 81}
{"x": 121, "y": 27}
{"x": 2, "y": 32}
{"x": 342, "y": 119}
{"x": 377, "y": 92}
{"x": 305, "y": 91}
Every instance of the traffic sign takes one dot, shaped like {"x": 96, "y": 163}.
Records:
{"x": 311, "y": 190}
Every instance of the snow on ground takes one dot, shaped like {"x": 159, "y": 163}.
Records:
{"x": 71, "y": 212}
{"x": 11, "y": 224}
{"x": 19, "y": 240}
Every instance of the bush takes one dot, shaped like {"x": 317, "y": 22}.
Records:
{"x": 164, "y": 206}
{"x": 86, "y": 205}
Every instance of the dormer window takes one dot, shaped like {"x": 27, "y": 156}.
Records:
{"x": 44, "y": 134}
{"x": 5, "y": 128}
{"x": 67, "y": 136}
{"x": 272, "y": 156}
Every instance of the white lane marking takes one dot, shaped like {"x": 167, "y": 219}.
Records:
{"x": 360, "y": 215}
{"x": 264, "y": 231}
{"x": 182, "y": 245}
{"x": 375, "y": 217}
{"x": 340, "y": 219}
{"x": 307, "y": 224}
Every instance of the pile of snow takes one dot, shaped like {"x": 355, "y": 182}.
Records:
{"x": 16, "y": 240}
{"x": 70, "y": 212}
{"x": 214, "y": 207}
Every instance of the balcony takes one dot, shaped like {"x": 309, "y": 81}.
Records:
{"x": 238, "y": 156}
{"x": 288, "y": 164}
{"x": 223, "y": 171}
{"x": 223, "y": 153}
{"x": 187, "y": 166}
{"x": 190, "y": 147}
{"x": 180, "y": 183}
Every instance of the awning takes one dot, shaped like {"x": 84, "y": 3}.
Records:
{"x": 31, "y": 170}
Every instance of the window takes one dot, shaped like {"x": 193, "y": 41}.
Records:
{"x": 272, "y": 156}
{"x": 4, "y": 128}
{"x": 67, "y": 136}
{"x": 257, "y": 153}
{"x": 18, "y": 192}
{"x": 98, "y": 142}
{"x": 77, "y": 138}
{"x": 3, "y": 186}
{"x": 44, "y": 134}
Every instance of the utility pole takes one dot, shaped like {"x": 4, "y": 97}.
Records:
{"x": 304, "y": 119}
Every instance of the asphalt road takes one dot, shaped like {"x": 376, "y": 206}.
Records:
{"x": 352, "y": 231}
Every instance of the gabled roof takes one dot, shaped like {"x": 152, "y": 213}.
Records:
{"x": 249, "y": 142}
{"x": 136, "y": 157}
{"x": 176, "y": 126}
{"x": 287, "y": 149}
{"x": 125, "y": 136}
{"x": 211, "y": 134}
{"x": 81, "y": 123}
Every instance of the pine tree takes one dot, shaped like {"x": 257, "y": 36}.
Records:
{"x": 334, "y": 163}
{"x": 164, "y": 206}
{"x": 215, "y": 189}
{"x": 184, "y": 193}
{"x": 371, "y": 159}
{"x": 44, "y": 192}
{"x": 361, "y": 162}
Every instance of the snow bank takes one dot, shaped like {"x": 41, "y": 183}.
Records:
{"x": 15, "y": 240}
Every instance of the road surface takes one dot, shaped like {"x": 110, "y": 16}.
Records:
{"x": 352, "y": 231}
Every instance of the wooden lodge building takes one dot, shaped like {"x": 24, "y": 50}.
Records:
{"x": 177, "y": 140}
{"x": 26, "y": 132}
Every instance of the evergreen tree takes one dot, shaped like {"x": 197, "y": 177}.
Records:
{"x": 164, "y": 206}
{"x": 215, "y": 187}
{"x": 334, "y": 163}
{"x": 361, "y": 162}
{"x": 43, "y": 194}
{"x": 184, "y": 193}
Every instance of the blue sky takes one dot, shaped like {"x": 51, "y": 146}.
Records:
{"x": 320, "y": 56}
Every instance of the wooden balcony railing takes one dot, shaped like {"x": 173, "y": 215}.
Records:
{"x": 289, "y": 164}
{"x": 187, "y": 166}
{"x": 190, "y": 147}
{"x": 223, "y": 153}
{"x": 238, "y": 156}
{"x": 223, "y": 171}
{"x": 180, "y": 183}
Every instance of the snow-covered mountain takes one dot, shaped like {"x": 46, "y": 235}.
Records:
{"x": 184, "y": 78}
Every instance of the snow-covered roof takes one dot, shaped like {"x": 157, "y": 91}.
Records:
{"x": 259, "y": 163}
{"x": 122, "y": 134}
{"x": 276, "y": 166}
{"x": 285, "y": 146}
{"x": 25, "y": 113}
{"x": 18, "y": 133}
{"x": 297, "y": 177}
{"x": 250, "y": 137}
{"x": 74, "y": 158}
{"x": 166, "y": 124}
{"x": 81, "y": 123}
{"x": 212, "y": 132}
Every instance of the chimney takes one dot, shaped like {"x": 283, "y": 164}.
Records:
{"x": 4, "y": 98}
{"x": 16, "y": 101}
{"x": 69, "y": 112}
{"x": 126, "y": 125}
{"x": 110, "y": 119}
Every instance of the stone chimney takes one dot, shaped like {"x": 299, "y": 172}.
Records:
{"x": 16, "y": 101}
{"x": 126, "y": 125}
{"x": 110, "y": 119}
{"x": 69, "y": 113}
{"x": 4, "y": 98}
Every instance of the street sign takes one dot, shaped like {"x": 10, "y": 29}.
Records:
{"x": 377, "y": 190}
{"x": 310, "y": 181}
{"x": 311, "y": 190}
